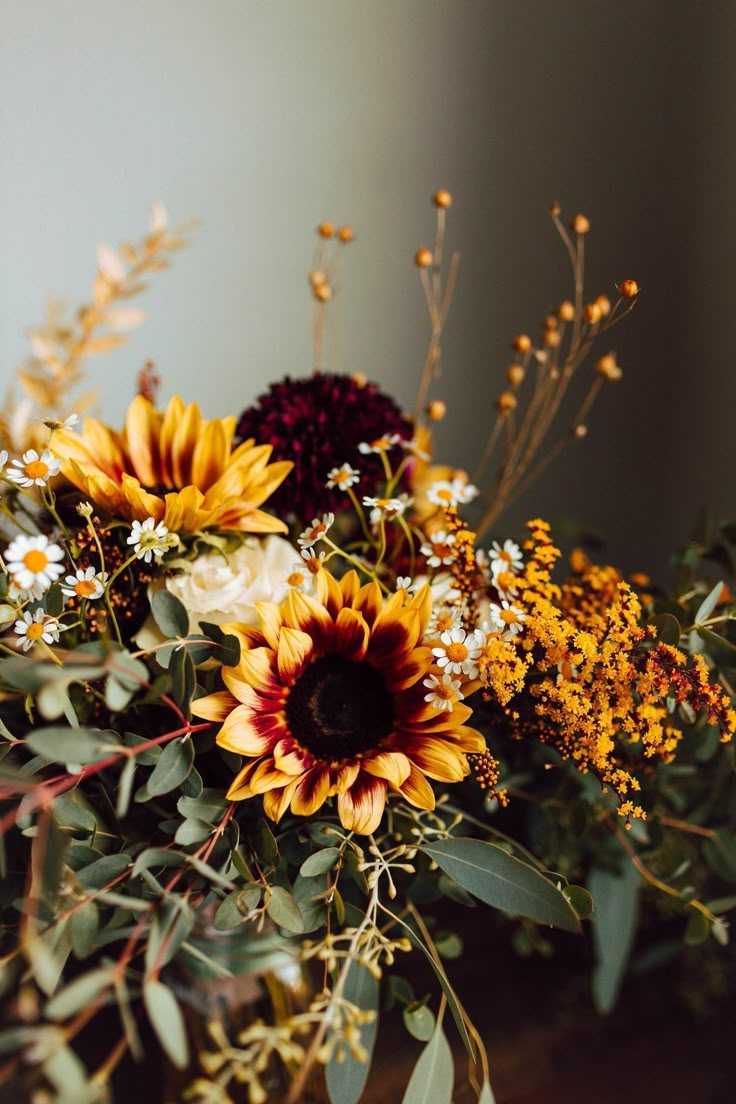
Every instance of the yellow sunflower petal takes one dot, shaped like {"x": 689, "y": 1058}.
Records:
{"x": 266, "y": 777}
{"x": 350, "y": 587}
{"x": 142, "y": 428}
{"x": 240, "y": 787}
{"x": 351, "y": 634}
{"x": 417, "y": 790}
{"x": 391, "y": 765}
{"x": 436, "y": 758}
{"x": 215, "y": 707}
{"x": 276, "y": 802}
{"x": 271, "y": 619}
{"x": 239, "y": 735}
{"x": 311, "y": 791}
{"x": 186, "y": 435}
{"x": 361, "y": 807}
{"x": 295, "y": 648}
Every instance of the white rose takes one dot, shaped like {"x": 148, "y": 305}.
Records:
{"x": 219, "y": 588}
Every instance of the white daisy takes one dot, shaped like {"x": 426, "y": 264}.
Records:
{"x": 34, "y": 627}
{"x": 443, "y": 692}
{"x": 316, "y": 530}
{"x": 68, "y": 423}
{"x": 440, "y": 549}
{"x": 506, "y": 619}
{"x": 343, "y": 477}
{"x": 387, "y": 507}
{"x": 458, "y": 652}
{"x": 34, "y": 470}
{"x": 87, "y": 583}
{"x": 3, "y": 459}
{"x": 505, "y": 558}
{"x": 414, "y": 449}
{"x": 455, "y": 493}
{"x": 298, "y": 577}
{"x": 33, "y": 562}
{"x": 381, "y": 444}
{"x": 444, "y": 619}
{"x": 149, "y": 539}
{"x": 403, "y": 582}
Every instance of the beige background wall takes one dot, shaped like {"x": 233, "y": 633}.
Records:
{"x": 263, "y": 118}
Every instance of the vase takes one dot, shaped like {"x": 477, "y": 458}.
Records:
{"x": 245, "y": 977}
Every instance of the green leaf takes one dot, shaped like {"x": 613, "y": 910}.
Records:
{"x": 68, "y": 745}
{"x": 284, "y": 910}
{"x": 232, "y": 909}
{"x": 320, "y": 862}
{"x": 698, "y": 928}
{"x": 502, "y": 881}
{"x": 720, "y": 853}
{"x": 209, "y": 806}
{"x": 419, "y": 1021}
{"x": 667, "y": 627}
{"x": 167, "y": 1021}
{"x": 708, "y": 605}
{"x": 230, "y": 645}
{"x": 580, "y": 900}
{"x": 183, "y": 679}
{"x": 346, "y": 1079}
{"x": 158, "y": 856}
{"x": 125, "y": 787}
{"x": 169, "y": 614}
{"x": 84, "y": 923}
{"x": 192, "y": 831}
{"x": 79, "y": 993}
{"x": 615, "y": 900}
{"x": 432, "y": 1079}
{"x": 172, "y": 768}
{"x": 103, "y": 871}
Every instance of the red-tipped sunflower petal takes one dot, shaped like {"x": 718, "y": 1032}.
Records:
{"x": 391, "y": 765}
{"x": 349, "y": 586}
{"x": 369, "y": 601}
{"x": 276, "y": 802}
{"x": 311, "y": 791}
{"x": 351, "y": 634}
{"x": 361, "y": 807}
{"x": 271, "y": 622}
{"x": 329, "y": 593}
{"x": 240, "y": 786}
{"x": 142, "y": 429}
{"x": 417, "y": 790}
{"x": 408, "y": 671}
{"x": 422, "y": 603}
{"x": 295, "y": 648}
{"x": 301, "y": 611}
{"x": 290, "y": 758}
{"x": 266, "y": 777}
{"x": 238, "y": 734}
{"x": 215, "y": 707}
{"x": 436, "y": 758}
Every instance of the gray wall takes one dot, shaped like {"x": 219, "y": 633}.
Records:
{"x": 263, "y": 118}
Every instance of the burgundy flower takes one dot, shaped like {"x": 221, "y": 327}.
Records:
{"x": 318, "y": 422}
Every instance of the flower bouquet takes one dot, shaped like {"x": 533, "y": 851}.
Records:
{"x": 271, "y": 693}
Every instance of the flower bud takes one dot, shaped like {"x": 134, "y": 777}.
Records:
{"x": 423, "y": 258}
{"x": 442, "y": 198}
{"x": 566, "y": 311}
{"x": 592, "y": 313}
{"x": 323, "y": 292}
{"x": 580, "y": 224}
{"x": 629, "y": 289}
{"x": 522, "y": 343}
{"x": 436, "y": 410}
{"x": 604, "y": 304}
{"x": 608, "y": 368}
{"x": 580, "y": 431}
{"x": 506, "y": 402}
{"x": 346, "y": 234}
{"x": 515, "y": 374}
{"x": 317, "y": 277}
{"x": 551, "y": 339}
{"x": 325, "y": 229}
{"x": 555, "y": 210}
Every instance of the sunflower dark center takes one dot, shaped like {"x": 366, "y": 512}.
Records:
{"x": 338, "y": 709}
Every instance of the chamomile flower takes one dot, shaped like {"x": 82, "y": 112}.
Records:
{"x": 34, "y": 627}
{"x": 506, "y": 558}
{"x": 68, "y": 423}
{"x": 342, "y": 477}
{"x": 403, "y": 582}
{"x": 33, "y": 470}
{"x": 506, "y": 619}
{"x": 456, "y": 493}
{"x": 386, "y": 507}
{"x": 458, "y": 652}
{"x": 149, "y": 539}
{"x": 413, "y": 448}
{"x": 316, "y": 531}
{"x": 313, "y": 560}
{"x": 33, "y": 563}
{"x": 440, "y": 549}
{"x": 87, "y": 583}
{"x": 299, "y": 577}
{"x": 444, "y": 692}
{"x": 381, "y": 444}
{"x": 444, "y": 619}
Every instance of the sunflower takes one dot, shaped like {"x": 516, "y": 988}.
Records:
{"x": 330, "y": 698}
{"x": 174, "y": 467}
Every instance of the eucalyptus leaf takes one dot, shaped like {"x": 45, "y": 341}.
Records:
{"x": 708, "y": 605}
{"x": 68, "y": 745}
{"x": 192, "y": 831}
{"x": 125, "y": 787}
{"x": 615, "y": 901}
{"x": 346, "y": 1079}
{"x": 667, "y": 627}
{"x": 169, "y": 614}
{"x": 167, "y": 1021}
{"x": 103, "y": 871}
{"x": 284, "y": 910}
{"x": 486, "y": 1095}
{"x": 432, "y": 1078}
{"x": 232, "y": 909}
{"x": 502, "y": 881}
{"x": 172, "y": 768}
{"x": 84, "y": 924}
{"x": 419, "y": 1021}
{"x": 79, "y": 993}
{"x": 319, "y": 862}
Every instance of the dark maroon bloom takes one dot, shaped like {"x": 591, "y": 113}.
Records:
{"x": 318, "y": 422}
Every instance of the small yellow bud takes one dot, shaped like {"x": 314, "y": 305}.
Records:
{"x": 325, "y": 229}
{"x": 608, "y": 368}
{"x": 436, "y": 410}
{"x": 605, "y": 305}
{"x": 522, "y": 343}
{"x": 555, "y": 210}
{"x": 580, "y": 224}
{"x": 423, "y": 258}
{"x": 506, "y": 402}
{"x": 566, "y": 311}
{"x": 515, "y": 374}
{"x": 581, "y": 431}
{"x": 323, "y": 292}
{"x": 442, "y": 198}
{"x": 629, "y": 289}
{"x": 550, "y": 322}
{"x": 317, "y": 277}
{"x": 551, "y": 339}
{"x": 592, "y": 313}
{"x": 346, "y": 234}
{"x": 359, "y": 379}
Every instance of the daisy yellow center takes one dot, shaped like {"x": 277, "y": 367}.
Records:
{"x": 35, "y": 560}
{"x": 505, "y": 556}
{"x": 295, "y": 579}
{"x": 444, "y": 691}
{"x": 35, "y": 631}
{"x": 342, "y": 476}
{"x": 444, "y": 495}
{"x": 36, "y": 469}
{"x": 85, "y": 587}
{"x": 508, "y": 617}
{"x": 445, "y": 621}
{"x": 442, "y": 550}
{"x": 457, "y": 653}
{"x": 338, "y": 708}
